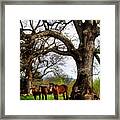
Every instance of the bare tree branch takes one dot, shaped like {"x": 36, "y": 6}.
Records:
{"x": 21, "y": 24}
{"x": 77, "y": 24}
{"x": 56, "y": 35}
{"x": 37, "y": 24}
{"x": 97, "y": 57}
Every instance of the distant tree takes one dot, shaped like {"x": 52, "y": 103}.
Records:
{"x": 58, "y": 79}
{"x": 33, "y": 64}
{"x": 70, "y": 86}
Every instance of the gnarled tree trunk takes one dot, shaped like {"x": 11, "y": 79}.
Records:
{"x": 84, "y": 65}
{"x": 29, "y": 81}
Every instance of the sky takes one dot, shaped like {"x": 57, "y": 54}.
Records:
{"x": 69, "y": 67}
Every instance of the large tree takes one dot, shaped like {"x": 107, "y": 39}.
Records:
{"x": 34, "y": 66}
{"x": 84, "y": 54}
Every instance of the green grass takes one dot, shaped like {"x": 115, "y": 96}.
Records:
{"x": 49, "y": 97}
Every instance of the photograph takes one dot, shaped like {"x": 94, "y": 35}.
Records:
{"x": 59, "y": 59}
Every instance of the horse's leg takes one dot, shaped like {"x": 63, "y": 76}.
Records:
{"x": 42, "y": 97}
{"x": 39, "y": 96}
{"x": 63, "y": 96}
{"x": 54, "y": 96}
{"x": 57, "y": 97}
{"x": 45, "y": 97}
{"x": 35, "y": 97}
{"x": 66, "y": 96}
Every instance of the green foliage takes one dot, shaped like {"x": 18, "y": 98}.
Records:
{"x": 70, "y": 85}
{"x": 59, "y": 79}
{"x": 96, "y": 86}
{"x": 37, "y": 75}
{"x": 37, "y": 82}
{"x": 45, "y": 82}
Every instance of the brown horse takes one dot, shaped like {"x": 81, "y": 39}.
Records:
{"x": 41, "y": 90}
{"x": 35, "y": 91}
{"x": 44, "y": 90}
{"x": 60, "y": 89}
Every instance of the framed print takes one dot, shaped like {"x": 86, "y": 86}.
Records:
{"x": 60, "y": 59}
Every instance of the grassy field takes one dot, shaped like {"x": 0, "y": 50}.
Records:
{"x": 49, "y": 97}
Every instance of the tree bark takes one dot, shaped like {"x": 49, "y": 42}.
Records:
{"x": 84, "y": 68}
{"x": 29, "y": 84}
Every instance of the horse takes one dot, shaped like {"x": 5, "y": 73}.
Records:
{"x": 60, "y": 89}
{"x": 42, "y": 90}
{"x": 35, "y": 91}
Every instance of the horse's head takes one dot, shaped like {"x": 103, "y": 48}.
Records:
{"x": 31, "y": 91}
{"x": 40, "y": 88}
{"x": 34, "y": 89}
{"x": 50, "y": 88}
